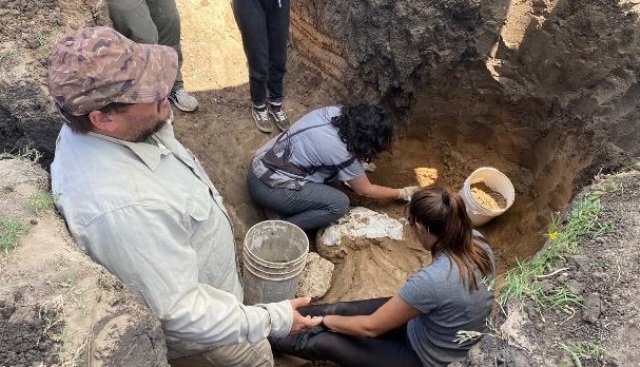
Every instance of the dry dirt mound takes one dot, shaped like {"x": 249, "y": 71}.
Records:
{"x": 57, "y": 307}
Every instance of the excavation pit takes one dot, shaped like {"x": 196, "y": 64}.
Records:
{"x": 545, "y": 91}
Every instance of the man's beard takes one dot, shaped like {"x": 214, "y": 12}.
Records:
{"x": 146, "y": 134}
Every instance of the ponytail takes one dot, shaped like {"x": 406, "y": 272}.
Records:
{"x": 444, "y": 215}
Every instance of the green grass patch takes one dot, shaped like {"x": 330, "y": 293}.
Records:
{"x": 10, "y": 233}
{"x": 525, "y": 280}
{"x": 582, "y": 350}
{"x": 41, "y": 202}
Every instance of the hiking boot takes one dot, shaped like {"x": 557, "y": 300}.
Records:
{"x": 183, "y": 101}
{"x": 261, "y": 117}
{"x": 279, "y": 117}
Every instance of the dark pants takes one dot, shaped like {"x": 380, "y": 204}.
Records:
{"x": 314, "y": 206}
{"x": 391, "y": 349}
{"x": 149, "y": 22}
{"x": 264, "y": 25}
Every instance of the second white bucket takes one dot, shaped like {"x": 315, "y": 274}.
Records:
{"x": 496, "y": 181}
{"x": 274, "y": 255}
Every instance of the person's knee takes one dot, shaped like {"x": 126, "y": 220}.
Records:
{"x": 168, "y": 30}
{"x": 258, "y": 72}
{"x": 334, "y": 209}
{"x": 339, "y": 205}
{"x": 322, "y": 345}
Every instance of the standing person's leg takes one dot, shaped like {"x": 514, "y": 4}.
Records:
{"x": 251, "y": 17}
{"x": 133, "y": 19}
{"x": 165, "y": 16}
{"x": 278, "y": 30}
{"x": 314, "y": 206}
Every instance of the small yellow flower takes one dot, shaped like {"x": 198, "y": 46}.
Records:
{"x": 553, "y": 236}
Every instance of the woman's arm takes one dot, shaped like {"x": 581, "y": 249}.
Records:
{"x": 392, "y": 314}
{"x": 362, "y": 186}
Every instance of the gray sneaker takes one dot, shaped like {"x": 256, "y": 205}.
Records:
{"x": 183, "y": 101}
{"x": 261, "y": 117}
{"x": 279, "y": 117}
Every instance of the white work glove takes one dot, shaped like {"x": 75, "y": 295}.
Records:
{"x": 407, "y": 192}
{"x": 369, "y": 167}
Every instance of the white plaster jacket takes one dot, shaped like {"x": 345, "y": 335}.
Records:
{"x": 150, "y": 214}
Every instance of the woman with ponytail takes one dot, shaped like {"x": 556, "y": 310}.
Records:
{"x": 423, "y": 323}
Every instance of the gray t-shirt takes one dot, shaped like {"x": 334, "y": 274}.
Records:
{"x": 446, "y": 307}
{"x": 313, "y": 147}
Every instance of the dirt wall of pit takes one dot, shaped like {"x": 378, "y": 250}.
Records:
{"x": 558, "y": 67}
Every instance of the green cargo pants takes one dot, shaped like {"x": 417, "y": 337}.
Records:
{"x": 150, "y": 22}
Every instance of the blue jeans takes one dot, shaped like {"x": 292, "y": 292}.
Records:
{"x": 314, "y": 206}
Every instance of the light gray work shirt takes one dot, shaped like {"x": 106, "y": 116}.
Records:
{"x": 320, "y": 145}
{"x": 150, "y": 215}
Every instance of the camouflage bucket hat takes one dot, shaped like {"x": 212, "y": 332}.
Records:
{"x": 96, "y": 66}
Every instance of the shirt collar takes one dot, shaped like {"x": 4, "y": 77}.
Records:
{"x": 149, "y": 153}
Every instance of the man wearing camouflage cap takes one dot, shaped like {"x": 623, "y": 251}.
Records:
{"x": 141, "y": 205}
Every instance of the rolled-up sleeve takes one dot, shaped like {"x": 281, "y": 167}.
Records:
{"x": 149, "y": 248}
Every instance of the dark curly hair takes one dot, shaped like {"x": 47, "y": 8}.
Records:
{"x": 365, "y": 129}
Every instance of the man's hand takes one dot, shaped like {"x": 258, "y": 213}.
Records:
{"x": 302, "y": 323}
{"x": 406, "y": 193}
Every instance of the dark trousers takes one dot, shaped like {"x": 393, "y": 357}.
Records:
{"x": 264, "y": 25}
{"x": 391, "y": 349}
{"x": 149, "y": 22}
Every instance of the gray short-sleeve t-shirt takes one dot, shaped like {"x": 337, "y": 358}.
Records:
{"x": 446, "y": 307}
{"x": 315, "y": 146}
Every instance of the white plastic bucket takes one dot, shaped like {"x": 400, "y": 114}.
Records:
{"x": 274, "y": 255}
{"x": 496, "y": 181}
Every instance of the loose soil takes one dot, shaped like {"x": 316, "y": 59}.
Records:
{"x": 426, "y": 176}
{"x": 545, "y": 91}
{"x": 27, "y": 344}
{"x": 486, "y": 197}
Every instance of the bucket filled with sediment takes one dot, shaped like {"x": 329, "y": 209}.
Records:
{"x": 487, "y": 193}
{"x": 274, "y": 255}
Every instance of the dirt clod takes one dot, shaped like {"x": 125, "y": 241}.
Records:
{"x": 29, "y": 343}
